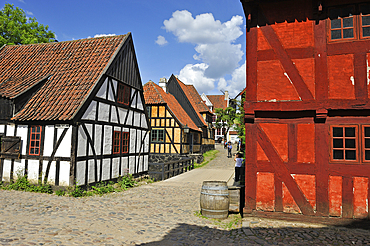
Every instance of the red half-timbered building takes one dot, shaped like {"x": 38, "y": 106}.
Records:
{"x": 307, "y": 107}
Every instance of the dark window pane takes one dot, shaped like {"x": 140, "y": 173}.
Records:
{"x": 336, "y": 34}
{"x": 348, "y": 33}
{"x": 338, "y": 154}
{"x": 36, "y": 151}
{"x": 337, "y": 132}
{"x": 32, "y": 143}
{"x": 365, "y": 20}
{"x": 350, "y": 154}
{"x": 367, "y": 143}
{"x": 33, "y": 136}
{"x": 350, "y": 143}
{"x": 335, "y": 24}
{"x": 367, "y": 154}
{"x": 366, "y": 32}
{"x": 37, "y": 144}
{"x": 348, "y": 22}
{"x": 367, "y": 131}
{"x": 337, "y": 143}
{"x": 350, "y": 132}
{"x": 32, "y": 151}
{"x": 37, "y": 136}
{"x": 365, "y": 9}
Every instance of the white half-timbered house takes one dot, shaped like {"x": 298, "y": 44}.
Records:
{"x": 72, "y": 112}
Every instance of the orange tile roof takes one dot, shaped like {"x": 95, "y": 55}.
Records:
{"x": 194, "y": 98}
{"x": 154, "y": 94}
{"x": 218, "y": 101}
{"x": 74, "y": 68}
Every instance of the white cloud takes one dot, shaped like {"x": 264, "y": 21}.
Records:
{"x": 237, "y": 82}
{"x": 161, "y": 40}
{"x": 29, "y": 13}
{"x": 194, "y": 74}
{"x": 103, "y": 35}
{"x": 214, "y": 41}
{"x": 21, "y": 1}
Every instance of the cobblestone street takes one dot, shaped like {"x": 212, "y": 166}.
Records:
{"x": 161, "y": 213}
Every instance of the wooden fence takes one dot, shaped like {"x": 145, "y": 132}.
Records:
{"x": 162, "y": 171}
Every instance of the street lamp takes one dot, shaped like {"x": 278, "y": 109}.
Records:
{"x": 186, "y": 128}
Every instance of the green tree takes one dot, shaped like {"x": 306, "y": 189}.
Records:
{"x": 239, "y": 120}
{"x": 225, "y": 119}
{"x": 16, "y": 28}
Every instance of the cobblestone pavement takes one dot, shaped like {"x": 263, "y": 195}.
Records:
{"x": 161, "y": 213}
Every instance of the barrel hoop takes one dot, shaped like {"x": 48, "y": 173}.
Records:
{"x": 214, "y": 194}
{"x": 215, "y": 188}
{"x": 216, "y": 211}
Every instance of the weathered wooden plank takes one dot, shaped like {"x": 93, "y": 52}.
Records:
{"x": 347, "y": 197}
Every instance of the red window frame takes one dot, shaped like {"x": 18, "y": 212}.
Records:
{"x": 340, "y": 144}
{"x": 123, "y": 94}
{"x": 125, "y": 141}
{"x": 116, "y": 142}
{"x": 365, "y": 139}
{"x": 35, "y": 140}
{"x": 361, "y": 17}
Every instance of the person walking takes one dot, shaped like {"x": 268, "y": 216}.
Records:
{"x": 229, "y": 148}
{"x": 238, "y": 166}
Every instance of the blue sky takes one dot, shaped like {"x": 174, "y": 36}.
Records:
{"x": 203, "y": 42}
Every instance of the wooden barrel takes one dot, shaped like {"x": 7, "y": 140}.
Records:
{"x": 214, "y": 199}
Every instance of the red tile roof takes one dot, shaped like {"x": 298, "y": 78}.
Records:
{"x": 154, "y": 94}
{"x": 195, "y": 100}
{"x": 218, "y": 101}
{"x": 74, "y": 68}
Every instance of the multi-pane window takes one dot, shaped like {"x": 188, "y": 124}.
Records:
{"x": 366, "y": 143}
{"x": 157, "y": 135}
{"x": 214, "y": 118}
{"x": 123, "y": 94}
{"x": 116, "y": 142}
{"x": 117, "y": 138}
{"x": 350, "y": 22}
{"x": 125, "y": 141}
{"x": 35, "y": 140}
{"x": 344, "y": 143}
{"x": 218, "y": 131}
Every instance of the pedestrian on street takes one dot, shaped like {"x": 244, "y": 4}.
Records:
{"x": 225, "y": 145}
{"x": 238, "y": 166}
{"x": 229, "y": 148}
{"x": 239, "y": 145}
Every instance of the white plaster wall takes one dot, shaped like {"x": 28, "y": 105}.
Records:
{"x": 110, "y": 94}
{"x": 2, "y": 128}
{"x": 115, "y": 167}
{"x": 146, "y": 161}
{"x": 65, "y": 168}
{"x": 107, "y": 140}
{"x": 140, "y": 163}
{"x": 124, "y": 165}
{"x": 33, "y": 171}
{"x": 10, "y": 130}
{"x": 81, "y": 142}
{"x": 89, "y": 130}
{"x": 106, "y": 168}
{"x": 97, "y": 141}
{"x": 114, "y": 116}
{"x": 64, "y": 149}
{"x": 80, "y": 172}
{"x": 143, "y": 121}
{"x": 131, "y": 164}
{"x": 91, "y": 170}
{"x": 146, "y": 143}
{"x": 122, "y": 114}
{"x": 103, "y": 89}
{"x": 138, "y": 141}
{"x": 132, "y": 140}
{"x": 137, "y": 117}
{"x": 139, "y": 102}
{"x": 103, "y": 112}
{"x": 52, "y": 171}
{"x": 6, "y": 170}
{"x": 48, "y": 141}
{"x": 22, "y": 131}
{"x": 19, "y": 168}
{"x": 114, "y": 85}
{"x": 129, "y": 118}
{"x": 90, "y": 112}
{"x": 133, "y": 104}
